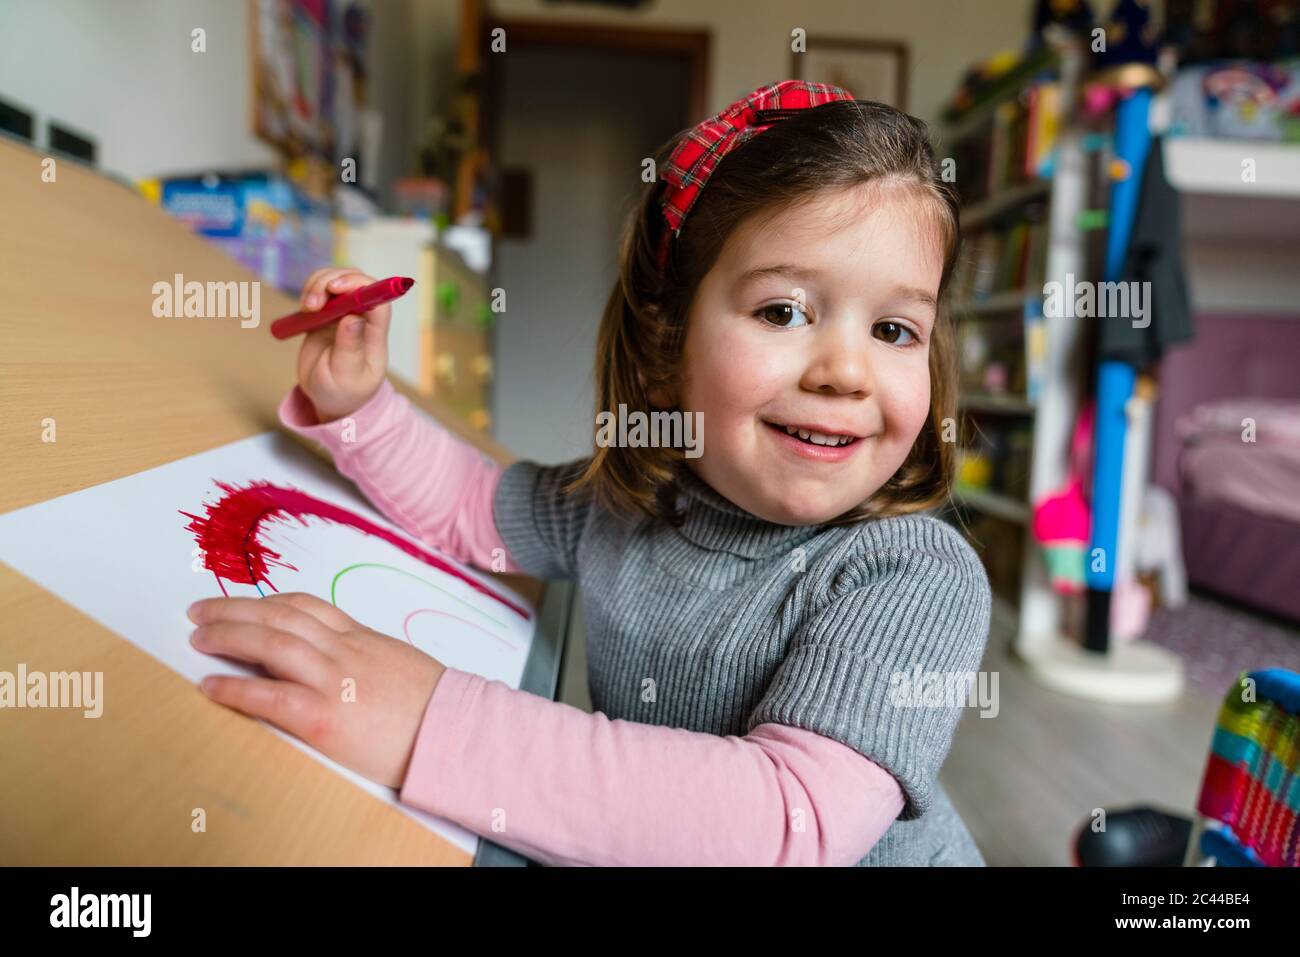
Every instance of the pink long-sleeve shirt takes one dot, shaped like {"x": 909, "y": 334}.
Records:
{"x": 551, "y": 781}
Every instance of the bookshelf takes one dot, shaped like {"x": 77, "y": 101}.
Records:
{"x": 1022, "y": 176}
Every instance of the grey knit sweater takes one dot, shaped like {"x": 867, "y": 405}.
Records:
{"x": 740, "y": 621}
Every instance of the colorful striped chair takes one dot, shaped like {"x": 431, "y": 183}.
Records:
{"x": 1248, "y": 813}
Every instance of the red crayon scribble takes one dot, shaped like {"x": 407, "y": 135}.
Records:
{"x": 229, "y": 535}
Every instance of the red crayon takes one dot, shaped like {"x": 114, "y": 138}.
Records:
{"x": 351, "y": 303}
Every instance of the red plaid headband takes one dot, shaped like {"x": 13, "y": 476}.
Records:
{"x": 698, "y": 154}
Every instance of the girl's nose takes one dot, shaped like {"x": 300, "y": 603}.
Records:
{"x": 840, "y": 362}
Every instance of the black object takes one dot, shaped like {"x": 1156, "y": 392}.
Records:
{"x": 63, "y": 140}
{"x": 1096, "y": 636}
{"x": 15, "y": 121}
{"x": 1074, "y": 15}
{"x": 1137, "y": 837}
{"x": 1130, "y": 35}
{"x": 1154, "y": 256}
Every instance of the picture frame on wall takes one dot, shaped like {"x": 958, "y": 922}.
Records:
{"x": 308, "y": 74}
{"x": 292, "y": 84}
{"x": 869, "y": 69}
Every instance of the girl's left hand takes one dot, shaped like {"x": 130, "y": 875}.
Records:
{"x": 355, "y": 695}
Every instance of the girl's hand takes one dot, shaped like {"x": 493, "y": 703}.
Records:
{"x": 340, "y": 366}
{"x": 353, "y": 694}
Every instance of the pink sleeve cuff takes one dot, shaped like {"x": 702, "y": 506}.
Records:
{"x": 434, "y": 485}
{"x": 384, "y": 407}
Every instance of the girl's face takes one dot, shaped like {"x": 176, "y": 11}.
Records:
{"x": 817, "y": 317}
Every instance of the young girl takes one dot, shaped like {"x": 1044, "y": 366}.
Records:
{"x": 754, "y": 614}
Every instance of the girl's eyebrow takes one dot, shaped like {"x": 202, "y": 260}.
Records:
{"x": 917, "y": 295}
{"x": 903, "y": 294}
{"x": 779, "y": 269}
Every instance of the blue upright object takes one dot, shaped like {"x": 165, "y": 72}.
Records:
{"x": 1132, "y": 141}
{"x": 1115, "y": 380}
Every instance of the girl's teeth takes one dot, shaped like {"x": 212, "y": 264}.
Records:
{"x": 818, "y": 438}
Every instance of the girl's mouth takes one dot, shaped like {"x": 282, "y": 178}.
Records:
{"x": 811, "y": 437}
{"x": 810, "y": 444}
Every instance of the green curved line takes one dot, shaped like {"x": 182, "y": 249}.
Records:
{"x": 402, "y": 571}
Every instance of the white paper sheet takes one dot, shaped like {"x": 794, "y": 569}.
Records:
{"x": 73, "y": 547}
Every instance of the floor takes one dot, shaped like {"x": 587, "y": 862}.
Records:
{"x": 1219, "y": 640}
{"x": 1025, "y": 780}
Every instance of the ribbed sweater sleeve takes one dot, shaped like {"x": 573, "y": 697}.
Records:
{"x": 908, "y": 613}
{"x": 542, "y": 522}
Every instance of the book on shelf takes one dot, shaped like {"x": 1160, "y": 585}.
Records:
{"x": 1002, "y": 260}
{"x": 1035, "y": 348}
{"x": 1042, "y": 128}
{"x": 1013, "y": 147}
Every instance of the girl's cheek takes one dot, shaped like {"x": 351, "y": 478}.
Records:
{"x": 914, "y": 406}
{"x": 903, "y": 390}
{"x": 752, "y": 381}
{"x": 729, "y": 368}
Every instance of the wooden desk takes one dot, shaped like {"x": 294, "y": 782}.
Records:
{"x": 128, "y": 391}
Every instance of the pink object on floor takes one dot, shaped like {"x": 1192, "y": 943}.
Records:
{"x": 1062, "y": 521}
{"x": 1130, "y": 610}
{"x": 1063, "y": 517}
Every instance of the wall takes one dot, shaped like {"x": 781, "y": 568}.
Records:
{"x": 584, "y": 157}
{"x": 751, "y": 38}
{"x": 123, "y": 73}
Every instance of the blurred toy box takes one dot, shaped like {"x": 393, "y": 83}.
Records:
{"x": 1244, "y": 100}
{"x": 261, "y": 219}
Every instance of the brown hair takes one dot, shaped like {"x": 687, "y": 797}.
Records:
{"x": 833, "y": 146}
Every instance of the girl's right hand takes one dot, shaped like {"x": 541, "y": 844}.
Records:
{"x": 342, "y": 365}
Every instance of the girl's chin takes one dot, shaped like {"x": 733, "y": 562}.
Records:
{"x": 813, "y": 508}
{"x": 783, "y": 495}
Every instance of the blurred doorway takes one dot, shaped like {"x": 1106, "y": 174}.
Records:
{"x": 570, "y": 113}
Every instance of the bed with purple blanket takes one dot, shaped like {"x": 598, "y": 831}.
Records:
{"x": 1227, "y": 447}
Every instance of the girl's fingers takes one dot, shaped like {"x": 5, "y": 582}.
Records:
{"x": 347, "y": 358}
{"x": 328, "y": 615}
{"x": 313, "y": 290}
{"x": 347, "y": 282}
{"x": 277, "y": 616}
{"x": 282, "y": 654}
{"x": 375, "y": 335}
{"x": 331, "y": 282}
{"x": 313, "y": 347}
{"x": 298, "y": 710}
{"x": 310, "y": 280}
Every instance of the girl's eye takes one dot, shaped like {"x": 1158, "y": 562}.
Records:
{"x": 892, "y": 332}
{"x": 785, "y": 314}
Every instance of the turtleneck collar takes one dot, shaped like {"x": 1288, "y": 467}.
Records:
{"x": 716, "y": 523}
